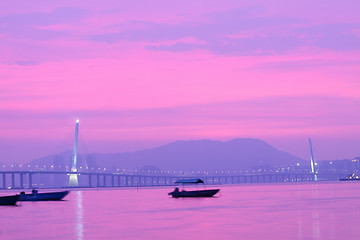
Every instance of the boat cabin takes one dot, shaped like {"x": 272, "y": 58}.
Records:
{"x": 189, "y": 181}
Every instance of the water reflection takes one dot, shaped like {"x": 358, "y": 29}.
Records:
{"x": 315, "y": 225}
{"x": 79, "y": 227}
{"x": 315, "y": 213}
{"x": 299, "y": 223}
{"x": 289, "y": 211}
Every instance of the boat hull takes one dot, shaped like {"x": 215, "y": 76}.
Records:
{"x": 50, "y": 196}
{"x": 198, "y": 193}
{"x": 9, "y": 200}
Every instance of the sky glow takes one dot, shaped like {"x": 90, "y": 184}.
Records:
{"x": 143, "y": 73}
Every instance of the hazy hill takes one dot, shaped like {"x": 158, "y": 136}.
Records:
{"x": 237, "y": 154}
{"x": 56, "y": 160}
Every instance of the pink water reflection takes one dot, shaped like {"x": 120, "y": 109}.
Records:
{"x": 292, "y": 211}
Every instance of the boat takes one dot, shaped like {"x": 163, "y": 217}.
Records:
{"x": 194, "y": 193}
{"x": 351, "y": 177}
{"x": 48, "y": 196}
{"x": 9, "y": 200}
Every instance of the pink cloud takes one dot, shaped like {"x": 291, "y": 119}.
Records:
{"x": 162, "y": 71}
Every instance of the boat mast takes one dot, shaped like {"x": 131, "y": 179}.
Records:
{"x": 73, "y": 180}
{"x": 313, "y": 171}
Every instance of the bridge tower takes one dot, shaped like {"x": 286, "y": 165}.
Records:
{"x": 73, "y": 179}
{"x": 313, "y": 170}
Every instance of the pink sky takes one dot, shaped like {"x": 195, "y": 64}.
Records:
{"x": 146, "y": 73}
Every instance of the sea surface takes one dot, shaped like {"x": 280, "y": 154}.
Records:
{"x": 328, "y": 210}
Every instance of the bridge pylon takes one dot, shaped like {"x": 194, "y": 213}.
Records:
{"x": 73, "y": 178}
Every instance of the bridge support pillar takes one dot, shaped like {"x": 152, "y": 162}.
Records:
{"x": 4, "y": 180}
{"x": 21, "y": 180}
{"x": 90, "y": 180}
{"x": 30, "y": 180}
{"x": 13, "y": 180}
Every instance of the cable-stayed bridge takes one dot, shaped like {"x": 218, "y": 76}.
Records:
{"x": 73, "y": 178}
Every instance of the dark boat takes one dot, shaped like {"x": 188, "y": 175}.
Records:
{"x": 49, "y": 196}
{"x": 194, "y": 193}
{"x": 351, "y": 177}
{"x": 9, "y": 200}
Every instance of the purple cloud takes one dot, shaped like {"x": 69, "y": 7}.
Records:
{"x": 22, "y": 63}
{"x": 27, "y": 26}
{"x": 265, "y": 35}
{"x": 282, "y": 111}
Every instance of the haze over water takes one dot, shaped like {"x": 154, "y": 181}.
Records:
{"x": 268, "y": 211}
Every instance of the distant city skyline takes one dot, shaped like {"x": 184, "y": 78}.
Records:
{"x": 142, "y": 74}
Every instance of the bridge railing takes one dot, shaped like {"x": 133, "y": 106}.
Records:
{"x": 60, "y": 179}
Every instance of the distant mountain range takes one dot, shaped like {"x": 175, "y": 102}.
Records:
{"x": 237, "y": 154}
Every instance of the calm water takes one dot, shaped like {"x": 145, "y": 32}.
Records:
{"x": 290, "y": 211}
